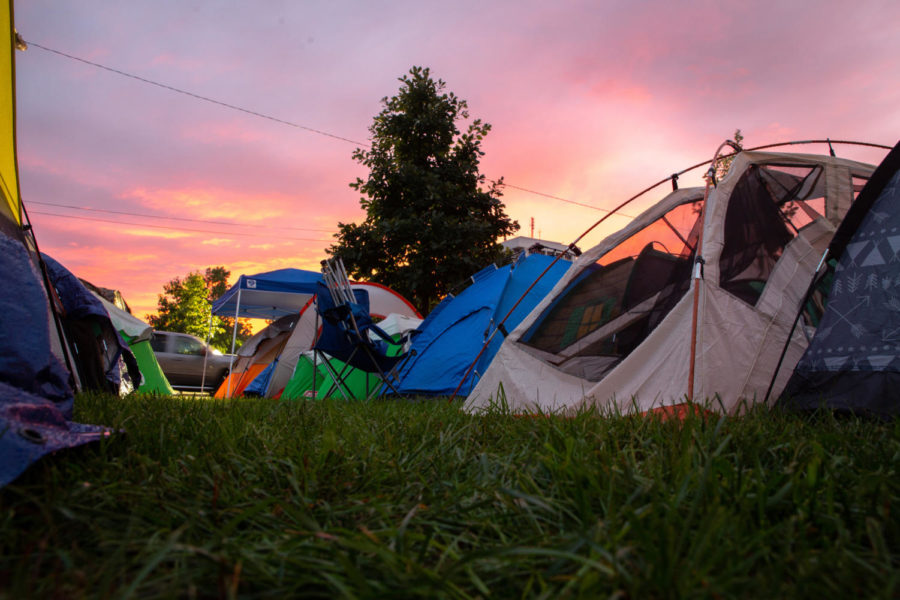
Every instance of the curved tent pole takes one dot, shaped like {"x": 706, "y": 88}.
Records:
{"x": 672, "y": 177}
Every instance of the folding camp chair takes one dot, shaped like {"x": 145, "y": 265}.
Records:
{"x": 349, "y": 335}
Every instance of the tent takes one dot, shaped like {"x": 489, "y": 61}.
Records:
{"x": 853, "y": 361}
{"x": 383, "y": 301}
{"x": 311, "y": 379}
{"x": 268, "y": 295}
{"x": 36, "y": 397}
{"x": 256, "y": 355}
{"x": 102, "y": 359}
{"x": 454, "y": 332}
{"x": 621, "y": 328}
{"x": 274, "y": 352}
{"x": 137, "y": 334}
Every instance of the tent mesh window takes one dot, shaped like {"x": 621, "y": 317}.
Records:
{"x": 769, "y": 207}
{"x": 859, "y": 183}
{"x": 614, "y": 303}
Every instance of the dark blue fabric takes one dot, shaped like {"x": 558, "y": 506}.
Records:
{"x": 35, "y": 397}
{"x": 340, "y": 341}
{"x": 260, "y": 383}
{"x": 27, "y": 361}
{"x": 80, "y": 304}
{"x": 453, "y": 334}
{"x": 853, "y": 362}
{"x": 78, "y": 301}
{"x": 31, "y": 427}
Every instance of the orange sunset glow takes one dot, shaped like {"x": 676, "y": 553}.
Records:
{"x": 130, "y": 184}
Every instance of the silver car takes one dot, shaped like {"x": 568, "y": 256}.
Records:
{"x": 181, "y": 357}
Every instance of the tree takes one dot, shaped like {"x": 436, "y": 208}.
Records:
{"x": 429, "y": 223}
{"x": 184, "y": 306}
{"x": 724, "y": 163}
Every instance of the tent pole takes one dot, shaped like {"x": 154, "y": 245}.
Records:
{"x": 698, "y": 262}
{"x": 206, "y": 353}
{"x": 237, "y": 310}
{"x": 315, "y": 352}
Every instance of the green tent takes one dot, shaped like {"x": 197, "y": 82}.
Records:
{"x": 137, "y": 334}
{"x": 358, "y": 385}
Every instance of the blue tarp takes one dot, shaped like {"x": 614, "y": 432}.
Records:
{"x": 268, "y": 295}
{"x": 454, "y": 332}
{"x": 35, "y": 397}
{"x": 81, "y": 305}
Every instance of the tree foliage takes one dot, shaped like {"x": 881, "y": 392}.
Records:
{"x": 184, "y": 306}
{"x": 430, "y": 223}
{"x": 724, "y": 163}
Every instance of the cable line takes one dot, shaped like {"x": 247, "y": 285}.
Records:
{"x": 50, "y": 214}
{"x": 197, "y": 96}
{"x": 269, "y": 117}
{"x": 134, "y": 214}
{"x": 564, "y": 200}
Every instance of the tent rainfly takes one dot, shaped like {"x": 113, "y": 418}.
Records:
{"x": 853, "y": 362}
{"x": 642, "y": 321}
{"x": 268, "y": 295}
{"x": 454, "y": 332}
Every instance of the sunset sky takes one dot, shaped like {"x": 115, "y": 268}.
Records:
{"x": 589, "y": 101}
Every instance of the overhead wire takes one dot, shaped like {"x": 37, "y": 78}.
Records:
{"x": 271, "y": 118}
{"x": 169, "y": 218}
{"x": 187, "y": 229}
{"x": 192, "y": 94}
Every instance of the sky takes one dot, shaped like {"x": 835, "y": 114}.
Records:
{"x": 130, "y": 184}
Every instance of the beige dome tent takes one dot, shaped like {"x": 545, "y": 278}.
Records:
{"x": 622, "y": 329}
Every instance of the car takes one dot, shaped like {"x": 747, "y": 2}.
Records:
{"x": 181, "y": 357}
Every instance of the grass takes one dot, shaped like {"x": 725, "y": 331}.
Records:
{"x": 260, "y": 498}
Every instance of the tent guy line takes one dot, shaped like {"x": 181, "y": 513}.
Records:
{"x": 276, "y": 119}
{"x": 50, "y": 214}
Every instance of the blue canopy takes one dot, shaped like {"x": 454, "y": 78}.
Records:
{"x": 453, "y": 333}
{"x": 268, "y": 295}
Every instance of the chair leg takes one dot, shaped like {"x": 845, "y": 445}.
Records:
{"x": 337, "y": 380}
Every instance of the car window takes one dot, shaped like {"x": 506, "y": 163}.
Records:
{"x": 186, "y": 345}
{"x": 158, "y": 342}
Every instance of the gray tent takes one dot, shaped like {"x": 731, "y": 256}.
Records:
{"x": 853, "y": 362}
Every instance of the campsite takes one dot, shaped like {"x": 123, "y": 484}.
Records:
{"x": 565, "y": 353}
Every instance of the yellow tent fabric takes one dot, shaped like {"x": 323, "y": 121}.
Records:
{"x": 11, "y": 206}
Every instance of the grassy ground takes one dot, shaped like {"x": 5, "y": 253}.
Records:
{"x": 258, "y": 498}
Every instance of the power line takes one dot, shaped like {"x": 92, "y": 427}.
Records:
{"x": 515, "y": 187}
{"x": 197, "y": 96}
{"x": 271, "y": 118}
{"x": 231, "y": 233}
{"x": 149, "y": 216}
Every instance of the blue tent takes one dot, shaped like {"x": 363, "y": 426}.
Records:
{"x": 268, "y": 295}
{"x": 35, "y": 397}
{"x": 454, "y": 332}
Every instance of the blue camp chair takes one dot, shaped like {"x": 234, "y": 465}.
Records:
{"x": 348, "y": 333}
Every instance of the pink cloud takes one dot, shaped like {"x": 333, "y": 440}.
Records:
{"x": 589, "y": 102}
